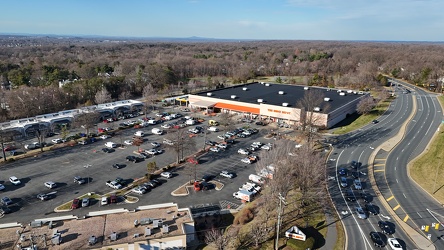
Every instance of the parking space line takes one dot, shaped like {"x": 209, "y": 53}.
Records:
{"x": 380, "y": 159}
{"x": 396, "y": 207}
{"x": 379, "y": 170}
{"x": 379, "y": 165}
{"x": 406, "y": 218}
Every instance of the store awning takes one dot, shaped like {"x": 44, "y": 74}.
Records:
{"x": 238, "y": 108}
{"x": 203, "y": 104}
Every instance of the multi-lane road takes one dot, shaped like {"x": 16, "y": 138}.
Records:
{"x": 389, "y": 167}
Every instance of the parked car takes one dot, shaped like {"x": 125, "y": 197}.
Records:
{"x": 6, "y": 201}
{"x": 108, "y": 150}
{"x": 132, "y": 158}
{"x": 112, "y": 198}
{"x": 215, "y": 149}
{"x": 207, "y": 177}
{"x": 211, "y": 143}
{"x": 118, "y": 166}
{"x": 85, "y": 202}
{"x": 57, "y": 140}
{"x": 226, "y": 174}
{"x": 128, "y": 142}
{"x": 342, "y": 171}
{"x": 50, "y": 184}
{"x": 155, "y": 144}
{"x": 357, "y": 184}
{"x": 166, "y": 174}
{"x": 377, "y": 239}
{"x": 75, "y": 204}
{"x": 139, "y": 190}
{"x": 104, "y": 137}
{"x": 2, "y": 187}
{"x": 79, "y": 180}
{"x": 14, "y": 180}
{"x": 243, "y": 151}
{"x": 5, "y": 210}
{"x": 344, "y": 182}
{"x": 104, "y": 201}
{"x": 222, "y": 145}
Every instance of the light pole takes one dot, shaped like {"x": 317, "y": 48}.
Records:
{"x": 436, "y": 177}
{"x": 281, "y": 200}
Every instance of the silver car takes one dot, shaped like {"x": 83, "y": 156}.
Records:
{"x": 361, "y": 213}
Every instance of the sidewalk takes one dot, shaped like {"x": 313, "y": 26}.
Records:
{"x": 332, "y": 234}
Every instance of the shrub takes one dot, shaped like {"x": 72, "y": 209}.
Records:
{"x": 243, "y": 217}
{"x": 302, "y": 245}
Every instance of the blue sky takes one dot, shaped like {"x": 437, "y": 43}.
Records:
{"x": 392, "y": 20}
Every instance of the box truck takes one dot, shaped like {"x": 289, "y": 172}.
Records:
{"x": 243, "y": 195}
{"x": 256, "y": 179}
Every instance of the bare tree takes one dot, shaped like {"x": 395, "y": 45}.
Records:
{"x": 86, "y": 120}
{"x": 227, "y": 121}
{"x": 313, "y": 101}
{"x": 125, "y": 95}
{"x": 366, "y": 105}
{"x": 260, "y": 232}
{"x": 181, "y": 142}
{"x": 103, "y": 96}
{"x": 217, "y": 238}
{"x": 149, "y": 97}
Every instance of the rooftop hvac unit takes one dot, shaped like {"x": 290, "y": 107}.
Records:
{"x": 244, "y": 89}
{"x": 326, "y": 99}
{"x": 209, "y": 94}
{"x": 306, "y": 88}
{"x": 341, "y": 93}
{"x": 267, "y": 84}
{"x": 317, "y": 109}
{"x": 285, "y": 104}
{"x": 281, "y": 92}
{"x": 233, "y": 97}
{"x": 260, "y": 100}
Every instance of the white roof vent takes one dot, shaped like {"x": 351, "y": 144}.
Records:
{"x": 326, "y": 99}
{"x": 342, "y": 93}
{"x": 285, "y": 104}
{"x": 209, "y": 94}
{"x": 317, "y": 109}
{"x": 260, "y": 100}
{"x": 267, "y": 84}
{"x": 244, "y": 89}
{"x": 233, "y": 97}
{"x": 306, "y": 88}
{"x": 281, "y": 92}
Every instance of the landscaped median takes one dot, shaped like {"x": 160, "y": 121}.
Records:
{"x": 184, "y": 189}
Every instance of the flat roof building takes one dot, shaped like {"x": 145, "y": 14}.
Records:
{"x": 278, "y": 102}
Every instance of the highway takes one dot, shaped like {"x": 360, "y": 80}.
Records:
{"x": 408, "y": 200}
{"x": 358, "y": 146}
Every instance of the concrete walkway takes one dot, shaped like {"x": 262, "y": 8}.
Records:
{"x": 332, "y": 233}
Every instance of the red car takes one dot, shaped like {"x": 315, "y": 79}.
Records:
{"x": 9, "y": 148}
{"x": 75, "y": 204}
{"x": 112, "y": 198}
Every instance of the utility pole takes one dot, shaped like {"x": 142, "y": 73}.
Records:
{"x": 281, "y": 200}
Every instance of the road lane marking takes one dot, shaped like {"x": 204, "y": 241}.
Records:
{"x": 380, "y": 170}
{"x": 406, "y": 218}
{"x": 380, "y": 159}
{"x": 398, "y": 206}
{"x": 390, "y": 198}
{"x": 397, "y": 181}
{"x": 404, "y": 195}
{"x": 419, "y": 214}
{"x": 379, "y": 165}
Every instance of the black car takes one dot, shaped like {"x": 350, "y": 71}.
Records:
{"x": 375, "y": 121}
{"x": 43, "y": 197}
{"x": 117, "y": 165}
{"x": 260, "y": 123}
{"x": 377, "y": 239}
{"x": 385, "y": 227}
{"x": 342, "y": 171}
{"x": 5, "y": 210}
{"x": 355, "y": 175}
{"x": 207, "y": 177}
{"x": 366, "y": 197}
{"x": 107, "y": 150}
{"x": 207, "y": 185}
{"x": 354, "y": 164}
{"x": 350, "y": 196}
{"x": 372, "y": 209}
{"x": 120, "y": 181}
{"x": 131, "y": 158}
{"x": 229, "y": 141}
{"x": 79, "y": 180}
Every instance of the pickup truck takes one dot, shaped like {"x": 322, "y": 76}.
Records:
{"x": 113, "y": 185}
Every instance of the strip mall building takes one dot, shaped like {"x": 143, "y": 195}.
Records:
{"x": 277, "y": 102}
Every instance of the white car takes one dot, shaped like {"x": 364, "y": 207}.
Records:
{"x": 155, "y": 144}
{"x": 267, "y": 146}
{"x": 151, "y": 151}
{"x": 128, "y": 142}
{"x": 243, "y": 151}
{"x": 246, "y": 160}
{"x": 222, "y": 145}
{"x": 50, "y": 184}
{"x": 166, "y": 174}
{"x": 104, "y": 137}
{"x": 394, "y": 244}
{"x": 226, "y": 174}
{"x": 14, "y": 180}
{"x": 221, "y": 137}
{"x": 104, "y": 201}
{"x": 168, "y": 142}
{"x": 166, "y": 126}
{"x": 57, "y": 140}
{"x": 214, "y": 149}
{"x": 139, "y": 190}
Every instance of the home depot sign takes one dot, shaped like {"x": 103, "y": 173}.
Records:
{"x": 295, "y": 233}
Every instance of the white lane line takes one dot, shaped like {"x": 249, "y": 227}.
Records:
{"x": 404, "y": 195}
{"x": 419, "y": 214}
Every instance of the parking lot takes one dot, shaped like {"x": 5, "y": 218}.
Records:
{"x": 90, "y": 162}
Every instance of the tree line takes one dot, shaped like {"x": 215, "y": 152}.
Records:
{"x": 30, "y": 75}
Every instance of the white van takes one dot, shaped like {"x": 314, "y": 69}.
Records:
{"x": 190, "y": 122}
{"x": 157, "y": 131}
{"x": 110, "y": 144}
{"x": 139, "y": 133}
